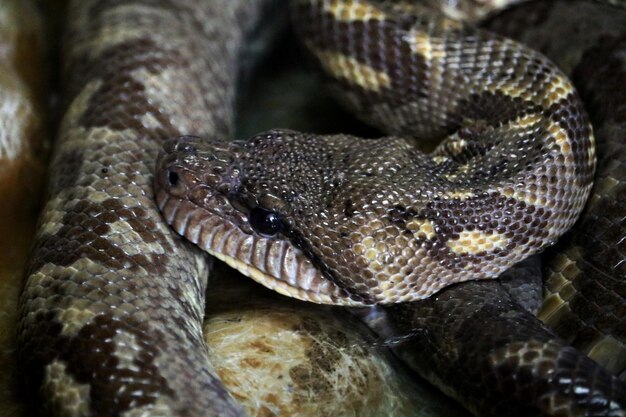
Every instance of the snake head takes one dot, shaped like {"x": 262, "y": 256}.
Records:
{"x": 339, "y": 220}
{"x": 220, "y": 196}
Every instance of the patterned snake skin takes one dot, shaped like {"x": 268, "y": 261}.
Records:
{"x": 476, "y": 330}
{"x": 112, "y": 306}
{"x": 585, "y": 299}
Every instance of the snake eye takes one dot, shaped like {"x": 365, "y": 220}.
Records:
{"x": 173, "y": 178}
{"x": 265, "y": 222}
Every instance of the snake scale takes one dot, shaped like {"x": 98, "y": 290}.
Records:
{"x": 112, "y": 306}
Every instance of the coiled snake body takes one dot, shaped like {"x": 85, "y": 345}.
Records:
{"x": 378, "y": 221}
{"x": 112, "y": 307}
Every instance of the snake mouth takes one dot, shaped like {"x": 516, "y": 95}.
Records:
{"x": 206, "y": 218}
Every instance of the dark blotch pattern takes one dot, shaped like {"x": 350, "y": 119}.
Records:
{"x": 481, "y": 347}
{"x": 115, "y": 387}
{"x": 86, "y": 233}
{"x": 375, "y": 43}
{"x": 587, "y": 268}
{"x": 516, "y": 176}
{"x": 70, "y": 163}
{"x": 111, "y": 293}
{"x": 494, "y": 108}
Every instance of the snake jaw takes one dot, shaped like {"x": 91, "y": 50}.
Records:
{"x": 206, "y": 216}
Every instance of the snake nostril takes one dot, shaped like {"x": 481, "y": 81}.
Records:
{"x": 173, "y": 178}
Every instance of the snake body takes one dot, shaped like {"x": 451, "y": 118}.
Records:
{"x": 339, "y": 237}
{"x": 585, "y": 286}
{"x": 112, "y": 305}
{"x": 476, "y": 329}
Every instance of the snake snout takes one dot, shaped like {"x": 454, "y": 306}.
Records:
{"x": 189, "y": 163}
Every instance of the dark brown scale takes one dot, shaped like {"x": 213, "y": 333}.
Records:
{"x": 376, "y": 43}
{"x": 71, "y": 161}
{"x": 568, "y": 116}
{"x": 596, "y": 308}
{"x": 493, "y": 108}
{"x": 120, "y": 91}
{"x": 111, "y": 389}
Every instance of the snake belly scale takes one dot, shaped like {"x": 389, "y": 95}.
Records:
{"x": 376, "y": 221}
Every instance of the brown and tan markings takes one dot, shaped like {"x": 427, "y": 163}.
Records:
{"x": 112, "y": 305}
{"x": 508, "y": 180}
{"x": 377, "y": 222}
{"x": 584, "y": 299}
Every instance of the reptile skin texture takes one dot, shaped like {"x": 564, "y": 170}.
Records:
{"x": 112, "y": 307}
{"x": 376, "y": 221}
{"x": 585, "y": 286}
{"x": 365, "y": 223}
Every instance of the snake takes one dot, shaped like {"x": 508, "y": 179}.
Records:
{"x": 381, "y": 222}
{"x": 112, "y": 306}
